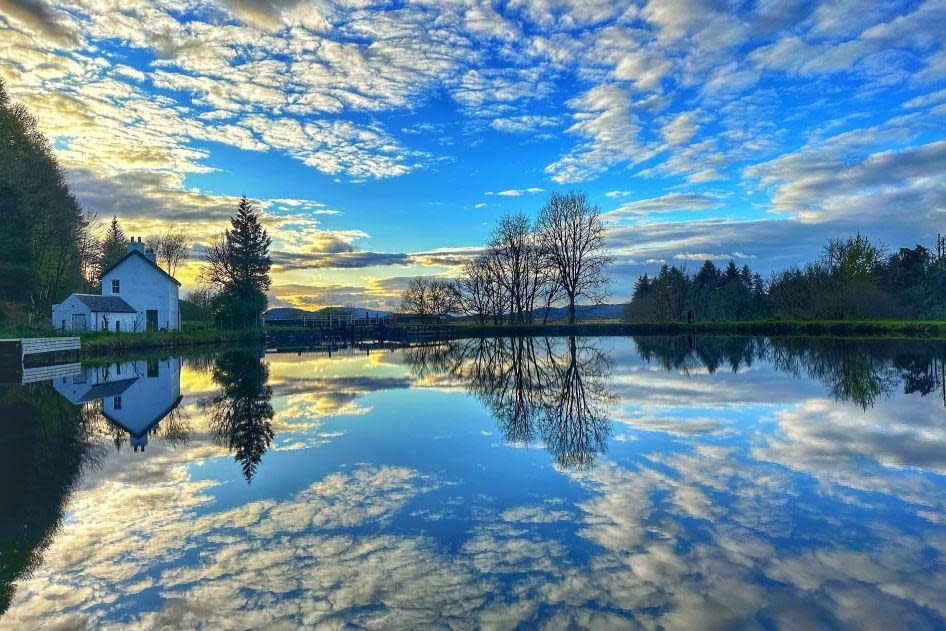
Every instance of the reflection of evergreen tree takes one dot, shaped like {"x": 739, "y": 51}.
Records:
{"x": 241, "y": 413}
{"x": 43, "y": 450}
{"x": 553, "y": 389}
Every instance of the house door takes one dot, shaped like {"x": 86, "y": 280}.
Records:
{"x": 151, "y": 318}
{"x": 78, "y": 322}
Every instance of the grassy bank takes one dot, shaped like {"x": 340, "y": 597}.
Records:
{"x": 836, "y": 328}
{"x": 110, "y": 343}
{"x": 99, "y": 343}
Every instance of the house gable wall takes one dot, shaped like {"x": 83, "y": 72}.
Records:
{"x": 145, "y": 287}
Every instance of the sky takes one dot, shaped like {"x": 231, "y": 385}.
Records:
{"x": 382, "y": 140}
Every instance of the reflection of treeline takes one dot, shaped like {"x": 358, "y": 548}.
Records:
{"x": 854, "y": 278}
{"x": 43, "y": 451}
{"x": 552, "y": 390}
{"x": 861, "y": 371}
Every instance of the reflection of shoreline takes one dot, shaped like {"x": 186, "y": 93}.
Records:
{"x": 43, "y": 453}
{"x": 862, "y": 371}
{"x": 552, "y": 389}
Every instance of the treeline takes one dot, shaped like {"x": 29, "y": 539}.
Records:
{"x": 46, "y": 240}
{"x": 527, "y": 267}
{"x": 854, "y": 279}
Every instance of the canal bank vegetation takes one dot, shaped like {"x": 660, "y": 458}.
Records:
{"x": 95, "y": 343}
{"x": 855, "y": 280}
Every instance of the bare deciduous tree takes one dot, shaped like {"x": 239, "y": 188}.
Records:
{"x": 429, "y": 296}
{"x": 169, "y": 248}
{"x": 522, "y": 270}
{"x": 572, "y": 234}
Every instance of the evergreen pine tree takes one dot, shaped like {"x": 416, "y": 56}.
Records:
{"x": 113, "y": 247}
{"x": 239, "y": 266}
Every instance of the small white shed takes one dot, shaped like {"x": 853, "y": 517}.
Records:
{"x": 91, "y": 312}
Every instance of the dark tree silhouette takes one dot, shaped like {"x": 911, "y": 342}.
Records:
{"x": 113, "y": 247}
{"x": 45, "y": 236}
{"x": 572, "y": 235}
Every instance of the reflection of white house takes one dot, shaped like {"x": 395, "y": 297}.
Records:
{"x": 137, "y": 295}
{"x": 136, "y": 395}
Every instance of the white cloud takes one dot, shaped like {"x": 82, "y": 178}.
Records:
{"x": 666, "y": 203}
{"x": 517, "y": 192}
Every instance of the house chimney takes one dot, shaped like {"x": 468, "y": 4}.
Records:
{"x": 136, "y": 245}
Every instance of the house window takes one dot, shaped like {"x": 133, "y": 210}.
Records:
{"x": 117, "y": 403}
{"x": 118, "y": 326}
{"x": 116, "y": 286}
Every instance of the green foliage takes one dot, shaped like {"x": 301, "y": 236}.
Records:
{"x": 43, "y": 243}
{"x": 113, "y": 247}
{"x": 711, "y": 293}
{"x": 191, "y": 312}
{"x": 238, "y": 265}
{"x": 853, "y": 279}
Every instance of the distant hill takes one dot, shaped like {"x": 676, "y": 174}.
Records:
{"x": 584, "y": 312}
{"x": 291, "y": 313}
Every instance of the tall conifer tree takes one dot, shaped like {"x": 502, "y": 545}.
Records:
{"x": 238, "y": 265}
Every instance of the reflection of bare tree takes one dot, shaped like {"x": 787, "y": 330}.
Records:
{"x": 241, "y": 412}
{"x": 575, "y": 426}
{"x": 553, "y": 389}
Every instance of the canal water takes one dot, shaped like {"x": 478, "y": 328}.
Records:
{"x": 651, "y": 482}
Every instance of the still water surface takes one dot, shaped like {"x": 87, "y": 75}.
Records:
{"x": 652, "y": 482}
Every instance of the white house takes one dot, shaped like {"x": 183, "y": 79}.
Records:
{"x": 136, "y": 396}
{"x": 137, "y": 295}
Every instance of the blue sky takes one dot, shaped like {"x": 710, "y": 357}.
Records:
{"x": 382, "y": 140}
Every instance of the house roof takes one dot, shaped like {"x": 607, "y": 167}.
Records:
{"x": 105, "y": 304}
{"x": 142, "y": 255}
{"x": 107, "y": 389}
{"x": 151, "y": 423}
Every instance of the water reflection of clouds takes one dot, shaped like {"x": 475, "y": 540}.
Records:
{"x": 796, "y": 522}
